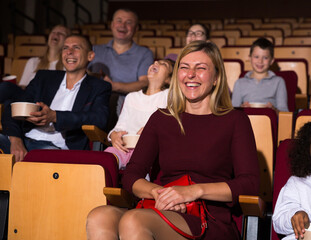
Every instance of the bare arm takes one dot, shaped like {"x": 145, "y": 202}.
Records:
{"x": 144, "y": 189}
{"x": 167, "y": 198}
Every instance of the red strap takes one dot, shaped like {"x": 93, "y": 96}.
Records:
{"x": 181, "y": 232}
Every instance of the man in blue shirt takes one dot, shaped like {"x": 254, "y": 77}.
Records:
{"x": 122, "y": 62}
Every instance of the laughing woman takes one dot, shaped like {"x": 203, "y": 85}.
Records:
{"x": 199, "y": 134}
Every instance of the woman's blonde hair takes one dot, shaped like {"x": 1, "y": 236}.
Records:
{"x": 44, "y": 61}
{"x": 220, "y": 102}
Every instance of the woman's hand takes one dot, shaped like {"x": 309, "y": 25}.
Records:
{"x": 300, "y": 221}
{"x": 117, "y": 141}
{"x": 175, "y": 198}
{"x": 177, "y": 208}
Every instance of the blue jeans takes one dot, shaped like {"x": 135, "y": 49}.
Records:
{"x": 29, "y": 143}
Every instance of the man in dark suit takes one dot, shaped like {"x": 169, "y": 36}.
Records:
{"x": 67, "y": 99}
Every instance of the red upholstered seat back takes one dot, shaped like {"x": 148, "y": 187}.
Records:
{"x": 304, "y": 112}
{"x": 273, "y": 117}
{"x": 281, "y": 174}
{"x": 106, "y": 160}
{"x": 291, "y": 81}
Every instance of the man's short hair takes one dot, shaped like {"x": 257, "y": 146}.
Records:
{"x": 264, "y": 44}
{"x": 89, "y": 46}
{"x": 128, "y": 11}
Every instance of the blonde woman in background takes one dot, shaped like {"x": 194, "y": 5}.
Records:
{"x": 51, "y": 60}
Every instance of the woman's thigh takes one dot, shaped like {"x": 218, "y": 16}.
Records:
{"x": 138, "y": 222}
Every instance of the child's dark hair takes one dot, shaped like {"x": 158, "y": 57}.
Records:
{"x": 300, "y": 152}
{"x": 264, "y": 44}
{"x": 206, "y": 29}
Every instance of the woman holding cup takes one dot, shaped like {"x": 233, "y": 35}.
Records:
{"x": 137, "y": 108}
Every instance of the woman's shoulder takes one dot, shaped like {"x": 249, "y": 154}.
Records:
{"x": 34, "y": 61}
{"x": 134, "y": 95}
{"x": 161, "y": 113}
{"x": 236, "y": 114}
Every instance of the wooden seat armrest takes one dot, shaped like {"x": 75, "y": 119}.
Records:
{"x": 95, "y": 134}
{"x": 285, "y": 126}
{"x": 252, "y": 205}
{"x": 6, "y": 167}
{"x": 1, "y": 110}
{"x": 119, "y": 197}
{"x": 301, "y": 101}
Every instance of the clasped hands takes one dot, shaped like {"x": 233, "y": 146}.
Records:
{"x": 43, "y": 117}
{"x": 174, "y": 198}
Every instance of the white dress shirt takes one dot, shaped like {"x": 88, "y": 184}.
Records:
{"x": 63, "y": 101}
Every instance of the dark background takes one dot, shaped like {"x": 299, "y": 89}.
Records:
{"x": 101, "y": 11}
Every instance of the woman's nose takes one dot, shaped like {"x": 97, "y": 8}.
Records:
{"x": 69, "y": 51}
{"x": 191, "y": 73}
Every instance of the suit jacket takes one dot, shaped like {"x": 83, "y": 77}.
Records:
{"x": 91, "y": 106}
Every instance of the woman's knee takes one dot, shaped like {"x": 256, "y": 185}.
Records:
{"x": 103, "y": 222}
{"x": 103, "y": 213}
{"x": 137, "y": 222}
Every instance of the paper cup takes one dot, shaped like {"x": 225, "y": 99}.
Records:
{"x": 11, "y": 78}
{"x": 307, "y": 236}
{"x": 257, "y": 105}
{"x": 130, "y": 140}
{"x": 21, "y": 110}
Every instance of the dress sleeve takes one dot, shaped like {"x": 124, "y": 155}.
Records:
{"x": 245, "y": 162}
{"x": 145, "y": 153}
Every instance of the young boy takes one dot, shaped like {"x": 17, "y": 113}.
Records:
{"x": 260, "y": 85}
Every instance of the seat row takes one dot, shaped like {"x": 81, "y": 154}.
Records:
{"x": 72, "y": 183}
{"x": 183, "y": 24}
{"x": 295, "y": 58}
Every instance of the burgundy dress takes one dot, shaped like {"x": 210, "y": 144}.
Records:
{"x": 213, "y": 149}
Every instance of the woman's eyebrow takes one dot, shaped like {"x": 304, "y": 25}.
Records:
{"x": 196, "y": 64}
